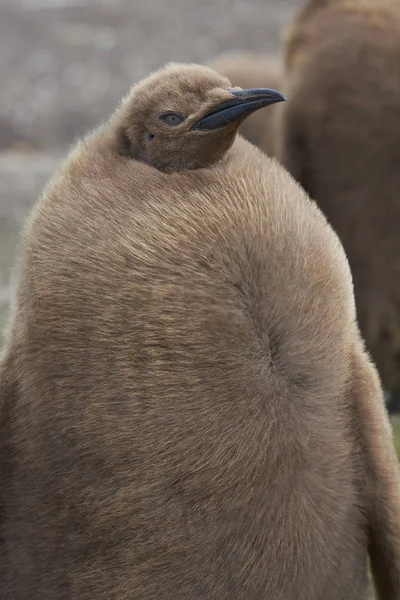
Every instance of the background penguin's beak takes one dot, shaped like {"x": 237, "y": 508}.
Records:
{"x": 243, "y": 103}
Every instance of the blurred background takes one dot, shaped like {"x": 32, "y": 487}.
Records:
{"x": 64, "y": 64}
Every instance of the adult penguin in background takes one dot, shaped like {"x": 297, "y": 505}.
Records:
{"x": 187, "y": 410}
{"x": 340, "y": 140}
{"x": 249, "y": 70}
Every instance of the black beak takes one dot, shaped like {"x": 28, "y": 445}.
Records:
{"x": 243, "y": 103}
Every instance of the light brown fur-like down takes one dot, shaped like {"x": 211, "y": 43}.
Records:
{"x": 248, "y": 70}
{"x": 341, "y": 141}
{"x": 187, "y": 408}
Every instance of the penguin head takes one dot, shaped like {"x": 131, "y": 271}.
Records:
{"x": 185, "y": 116}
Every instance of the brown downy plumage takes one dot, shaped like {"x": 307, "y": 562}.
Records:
{"x": 187, "y": 408}
{"x": 341, "y": 141}
{"x": 248, "y": 70}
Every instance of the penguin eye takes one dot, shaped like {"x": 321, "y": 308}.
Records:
{"x": 172, "y": 118}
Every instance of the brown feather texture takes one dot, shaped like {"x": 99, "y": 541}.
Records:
{"x": 187, "y": 410}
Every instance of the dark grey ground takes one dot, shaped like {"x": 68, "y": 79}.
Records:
{"x": 64, "y": 64}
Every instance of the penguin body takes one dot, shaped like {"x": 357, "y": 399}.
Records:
{"x": 187, "y": 409}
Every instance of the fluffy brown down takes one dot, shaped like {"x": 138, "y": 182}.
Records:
{"x": 341, "y": 140}
{"x": 248, "y": 70}
{"x": 187, "y": 410}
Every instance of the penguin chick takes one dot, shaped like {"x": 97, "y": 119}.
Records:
{"x": 179, "y": 122}
{"x": 187, "y": 410}
{"x": 248, "y": 70}
{"x": 341, "y": 142}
